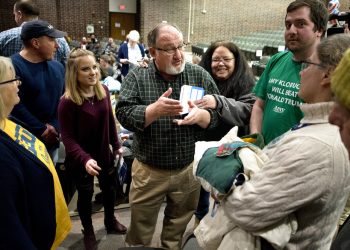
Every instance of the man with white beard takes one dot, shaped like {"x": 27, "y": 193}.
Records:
{"x": 164, "y": 140}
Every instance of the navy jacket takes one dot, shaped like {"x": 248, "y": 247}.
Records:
{"x": 27, "y": 210}
{"x": 123, "y": 54}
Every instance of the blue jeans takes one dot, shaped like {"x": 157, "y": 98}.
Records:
{"x": 203, "y": 204}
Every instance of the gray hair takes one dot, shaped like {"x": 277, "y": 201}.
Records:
{"x": 5, "y": 66}
{"x": 332, "y": 49}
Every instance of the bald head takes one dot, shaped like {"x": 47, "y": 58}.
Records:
{"x": 162, "y": 27}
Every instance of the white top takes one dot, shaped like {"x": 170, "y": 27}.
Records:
{"x": 134, "y": 54}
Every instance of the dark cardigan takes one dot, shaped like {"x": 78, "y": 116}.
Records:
{"x": 123, "y": 54}
{"x": 27, "y": 210}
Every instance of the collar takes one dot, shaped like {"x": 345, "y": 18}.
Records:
{"x": 316, "y": 112}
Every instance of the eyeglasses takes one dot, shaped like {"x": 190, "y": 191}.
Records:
{"x": 224, "y": 60}
{"x": 172, "y": 51}
{"x": 306, "y": 64}
{"x": 17, "y": 78}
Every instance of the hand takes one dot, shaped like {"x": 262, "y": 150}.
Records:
{"x": 92, "y": 168}
{"x": 196, "y": 115}
{"x": 118, "y": 152}
{"x": 124, "y": 137}
{"x": 143, "y": 64}
{"x": 50, "y": 135}
{"x": 166, "y": 106}
{"x": 124, "y": 61}
{"x": 207, "y": 102}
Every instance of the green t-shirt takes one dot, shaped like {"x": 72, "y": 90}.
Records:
{"x": 278, "y": 87}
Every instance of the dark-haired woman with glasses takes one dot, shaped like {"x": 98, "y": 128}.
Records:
{"x": 235, "y": 80}
{"x": 33, "y": 211}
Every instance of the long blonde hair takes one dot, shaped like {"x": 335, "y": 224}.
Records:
{"x": 73, "y": 91}
{"x": 5, "y": 66}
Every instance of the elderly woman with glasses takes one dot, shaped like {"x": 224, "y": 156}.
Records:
{"x": 33, "y": 212}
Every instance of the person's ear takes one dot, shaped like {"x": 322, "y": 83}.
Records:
{"x": 326, "y": 80}
{"x": 19, "y": 14}
{"x": 35, "y": 43}
{"x": 152, "y": 51}
{"x": 319, "y": 33}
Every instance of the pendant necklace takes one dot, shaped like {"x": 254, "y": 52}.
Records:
{"x": 91, "y": 100}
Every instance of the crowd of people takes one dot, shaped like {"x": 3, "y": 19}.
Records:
{"x": 297, "y": 197}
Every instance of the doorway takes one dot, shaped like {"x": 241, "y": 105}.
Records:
{"x": 121, "y": 24}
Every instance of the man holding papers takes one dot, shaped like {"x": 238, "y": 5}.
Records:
{"x": 150, "y": 106}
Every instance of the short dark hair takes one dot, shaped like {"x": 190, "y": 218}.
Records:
{"x": 153, "y": 34}
{"x": 28, "y": 8}
{"x": 318, "y": 12}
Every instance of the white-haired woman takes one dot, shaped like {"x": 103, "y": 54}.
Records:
{"x": 132, "y": 53}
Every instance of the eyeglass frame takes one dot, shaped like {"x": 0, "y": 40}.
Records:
{"x": 17, "y": 78}
{"x": 168, "y": 51}
{"x": 223, "y": 60}
{"x": 308, "y": 64}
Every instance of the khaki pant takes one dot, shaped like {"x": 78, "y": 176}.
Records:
{"x": 149, "y": 187}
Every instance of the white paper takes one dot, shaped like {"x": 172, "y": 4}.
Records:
{"x": 190, "y": 93}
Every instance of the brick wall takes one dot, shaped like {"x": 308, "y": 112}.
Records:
{"x": 77, "y": 16}
{"x": 67, "y": 15}
{"x": 223, "y": 18}
{"x": 48, "y": 10}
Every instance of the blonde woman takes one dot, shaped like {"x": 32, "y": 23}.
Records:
{"x": 88, "y": 129}
{"x": 33, "y": 212}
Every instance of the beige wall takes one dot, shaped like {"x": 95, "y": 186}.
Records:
{"x": 223, "y": 19}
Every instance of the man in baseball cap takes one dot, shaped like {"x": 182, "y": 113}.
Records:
{"x": 42, "y": 82}
{"x": 38, "y": 28}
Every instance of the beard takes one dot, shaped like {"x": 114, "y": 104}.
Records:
{"x": 171, "y": 70}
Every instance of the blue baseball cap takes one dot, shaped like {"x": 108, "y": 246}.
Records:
{"x": 38, "y": 28}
